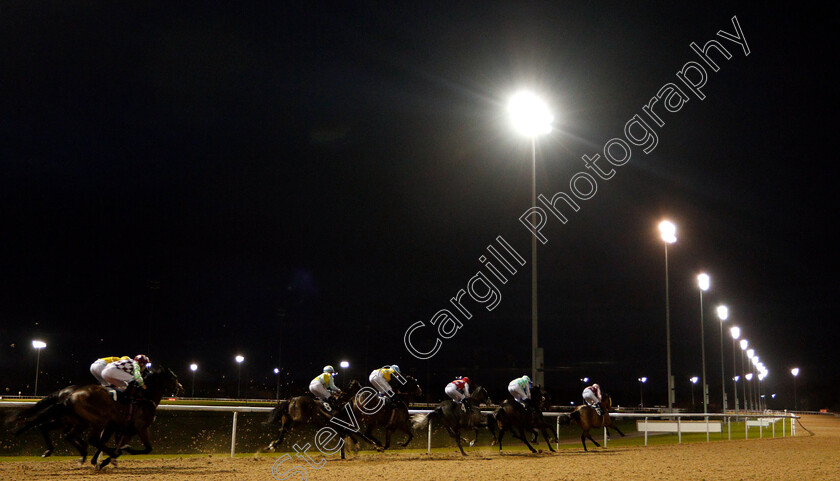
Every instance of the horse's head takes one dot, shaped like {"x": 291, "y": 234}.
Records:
{"x": 162, "y": 381}
{"x": 540, "y": 397}
{"x": 481, "y": 396}
{"x": 353, "y": 387}
{"x": 410, "y": 388}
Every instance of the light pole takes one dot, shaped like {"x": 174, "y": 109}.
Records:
{"x": 642, "y": 381}
{"x": 239, "y": 358}
{"x": 723, "y": 314}
{"x": 795, "y": 373}
{"x": 703, "y": 284}
{"x": 744, "y": 343}
{"x": 735, "y": 331}
{"x": 193, "y": 368}
{"x": 530, "y": 116}
{"x": 344, "y": 365}
{"x": 751, "y": 404}
{"x": 669, "y": 235}
{"x": 38, "y": 345}
{"x": 693, "y": 383}
{"x": 277, "y": 372}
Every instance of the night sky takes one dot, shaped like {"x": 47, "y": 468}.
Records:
{"x": 301, "y": 183}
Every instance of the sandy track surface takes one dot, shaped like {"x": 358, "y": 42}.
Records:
{"x": 811, "y": 457}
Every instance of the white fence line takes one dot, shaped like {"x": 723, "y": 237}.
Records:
{"x": 679, "y": 416}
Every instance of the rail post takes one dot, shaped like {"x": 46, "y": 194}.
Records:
{"x": 679, "y": 430}
{"x": 605, "y": 436}
{"x": 729, "y": 427}
{"x": 646, "y": 430}
{"x": 429, "y": 439}
{"x": 557, "y": 437}
{"x": 746, "y": 427}
{"x": 233, "y": 435}
{"x": 707, "y": 429}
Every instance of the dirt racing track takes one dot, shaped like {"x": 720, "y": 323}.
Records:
{"x": 811, "y": 457}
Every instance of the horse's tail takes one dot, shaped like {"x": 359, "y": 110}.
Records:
{"x": 46, "y": 409}
{"x": 276, "y": 416}
{"x": 420, "y": 421}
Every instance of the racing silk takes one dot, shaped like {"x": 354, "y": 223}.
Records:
{"x": 327, "y": 380}
{"x": 596, "y": 392}
{"x": 129, "y": 366}
{"x": 386, "y": 372}
{"x": 462, "y": 386}
{"x": 525, "y": 385}
{"x": 109, "y": 360}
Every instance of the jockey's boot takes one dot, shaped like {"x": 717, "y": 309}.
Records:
{"x": 599, "y": 409}
{"x": 463, "y": 406}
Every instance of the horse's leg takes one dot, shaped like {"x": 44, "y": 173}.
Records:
{"x": 501, "y": 435}
{"x": 404, "y": 427}
{"x": 524, "y": 438}
{"x": 616, "y": 428}
{"x": 103, "y": 437}
{"x": 369, "y": 435}
{"x": 458, "y": 440}
{"x": 547, "y": 440}
{"x": 143, "y": 434}
{"x": 593, "y": 441}
{"x": 475, "y": 438}
{"x": 45, "y": 432}
{"x": 72, "y": 437}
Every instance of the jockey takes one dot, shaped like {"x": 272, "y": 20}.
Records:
{"x": 380, "y": 378}
{"x": 459, "y": 390}
{"x": 126, "y": 372}
{"x": 592, "y": 396}
{"x": 520, "y": 389}
{"x": 323, "y": 386}
{"x": 99, "y": 364}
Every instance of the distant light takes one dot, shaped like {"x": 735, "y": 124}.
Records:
{"x": 795, "y": 371}
{"x": 750, "y": 353}
{"x": 703, "y": 281}
{"x": 586, "y": 379}
{"x": 736, "y": 378}
{"x": 239, "y": 358}
{"x": 344, "y": 364}
{"x": 642, "y": 379}
{"x": 754, "y": 360}
{"x": 694, "y": 379}
{"x": 723, "y": 313}
{"x": 735, "y": 331}
{"x": 749, "y": 376}
{"x": 529, "y": 114}
{"x": 773, "y": 396}
{"x": 668, "y": 231}
{"x": 39, "y": 344}
{"x": 276, "y": 371}
{"x": 193, "y": 367}
{"x": 744, "y": 343}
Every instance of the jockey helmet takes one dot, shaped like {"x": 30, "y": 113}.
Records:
{"x": 142, "y": 360}
{"x": 329, "y": 369}
{"x": 466, "y": 379}
{"x": 395, "y": 368}
{"x": 597, "y": 387}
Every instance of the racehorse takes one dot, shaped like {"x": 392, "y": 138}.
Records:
{"x": 159, "y": 382}
{"x": 77, "y": 409}
{"x": 587, "y": 418}
{"x": 513, "y": 416}
{"x": 454, "y": 418}
{"x": 393, "y": 415}
{"x": 303, "y": 410}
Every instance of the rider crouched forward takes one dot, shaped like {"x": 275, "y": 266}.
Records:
{"x": 323, "y": 387}
{"x": 459, "y": 391}
{"x": 126, "y": 375}
{"x": 381, "y": 378}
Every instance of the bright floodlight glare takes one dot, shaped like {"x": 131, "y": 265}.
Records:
{"x": 643, "y": 379}
{"x": 761, "y": 376}
{"x": 723, "y": 313}
{"x": 744, "y": 343}
{"x": 694, "y": 379}
{"x": 703, "y": 282}
{"x": 750, "y": 353}
{"x": 529, "y": 115}
{"x": 735, "y": 331}
{"x": 39, "y": 344}
{"x": 773, "y": 396}
{"x": 754, "y": 360}
{"x": 276, "y": 371}
{"x": 240, "y": 358}
{"x": 736, "y": 378}
{"x": 193, "y": 367}
{"x": 344, "y": 364}
{"x": 748, "y": 376}
{"x": 795, "y": 371}
{"x": 585, "y": 379}
{"x": 668, "y": 231}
